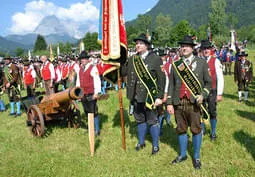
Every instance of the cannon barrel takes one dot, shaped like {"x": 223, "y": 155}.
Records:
{"x": 65, "y": 96}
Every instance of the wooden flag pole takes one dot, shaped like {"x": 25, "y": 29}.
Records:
{"x": 91, "y": 133}
{"x": 121, "y": 112}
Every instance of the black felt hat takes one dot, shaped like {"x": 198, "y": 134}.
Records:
{"x": 26, "y": 62}
{"x": 84, "y": 55}
{"x": 187, "y": 40}
{"x": 240, "y": 54}
{"x": 205, "y": 44}
{"x": 173, "y": 50}
{"x": 7, "y": 58}
{"x": 142, "y": 37}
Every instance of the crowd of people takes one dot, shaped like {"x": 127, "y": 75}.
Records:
{"x": 186, "y": 81}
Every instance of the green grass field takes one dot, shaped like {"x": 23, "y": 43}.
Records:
{"x": 65, "y": 152}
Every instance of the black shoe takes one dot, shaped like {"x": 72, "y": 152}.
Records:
{"x": 179, "y": 159}
{"x": 12, "y": 114}
{"x": 155, "y": 150}
{"x": 139, "y": 147}
{"x": 196, "y": 163}
{"x": 97, "y": 133}
{"x": 17, "y": 115}
{"x": 213, "y": 137}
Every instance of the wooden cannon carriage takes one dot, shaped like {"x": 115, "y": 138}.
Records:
{"x": 58, "y": 106}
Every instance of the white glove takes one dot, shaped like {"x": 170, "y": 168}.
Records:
{"x": 158, "y": 102}
{"x": 199, "y": 99}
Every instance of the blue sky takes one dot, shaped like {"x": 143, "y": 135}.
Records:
{"x": 22, "y": 16}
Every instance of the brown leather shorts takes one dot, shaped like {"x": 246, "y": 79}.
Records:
{"x": 187, "y": 114}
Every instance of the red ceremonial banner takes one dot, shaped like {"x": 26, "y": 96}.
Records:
{"x": 112, "y": 36}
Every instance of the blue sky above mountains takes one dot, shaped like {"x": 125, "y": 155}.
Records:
{"x": 23, "y": 16}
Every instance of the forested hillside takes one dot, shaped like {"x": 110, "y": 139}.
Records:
{"x": 196, "y": 11}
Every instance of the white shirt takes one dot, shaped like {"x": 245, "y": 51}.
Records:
{"x": 76, "y": 69}
{"x": 167, "y": 78}
{"x": 189, "y": 60}
{"x": 144, "y": 55}
{"x": 58, "y": 73}
{"x": 219, "y": 76}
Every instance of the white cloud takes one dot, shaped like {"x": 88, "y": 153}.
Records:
{"x": 79, "y": 12}
{"x": 76, "y": 15}
{"x": 148, "y": 10}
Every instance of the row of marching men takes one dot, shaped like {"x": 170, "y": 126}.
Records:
{"x": 62, "y": 71}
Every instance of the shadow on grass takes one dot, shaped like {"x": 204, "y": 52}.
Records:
{"x": 97, "y": 143}
{"x": 50, "y": 125}
{"x": 169, "y": 137}
{"x": 84, "y": 120}
{"x": 231, "y": 96}
{"x": 246, "y": 140}
{"x": 252, "y": 84}
{"x": 127, "y": 123}
{"x": 246, "y": 115}
{"x": 251, "y": 97}
{"x": 61, "y": 123}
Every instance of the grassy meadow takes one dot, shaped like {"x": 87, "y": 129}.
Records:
{"x": 65, "y": 152}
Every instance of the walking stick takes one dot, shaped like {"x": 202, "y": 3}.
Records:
{"x": 121, "y": 113}
{"x": 91, "y": 133}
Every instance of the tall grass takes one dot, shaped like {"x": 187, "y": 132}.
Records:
{"x": 65, "y": 152}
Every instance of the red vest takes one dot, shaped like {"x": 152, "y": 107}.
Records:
{"x": 212, "y": 68}
{"x": 65, "y": 71}
{"x": 28, "y": 79}
{"x": 184, "y": 91}
{"x": 166, "y": 68}
{"x": 72, "y": 67}
{"x": 46, "y": 75}
{"x": 228, "y": 58}
{"x": 86, "y": 80}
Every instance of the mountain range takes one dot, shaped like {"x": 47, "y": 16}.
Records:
{"x": 50, "y": 27}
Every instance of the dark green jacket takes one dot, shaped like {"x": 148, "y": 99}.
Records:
{"x": 135, "y": 88}
{"x": 201, "y": 72}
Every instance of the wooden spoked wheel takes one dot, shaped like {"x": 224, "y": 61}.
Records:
{"x": 74, "y": 116}
{"x": 35, "y": 117}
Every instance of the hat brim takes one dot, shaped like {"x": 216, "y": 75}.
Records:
{"x": 205, "y": 47}
{"x": 141, "y": 39}
{"x": 84, "y": 58}
{"x": 187, "y": 43}
{"x": 26, "y": 63}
